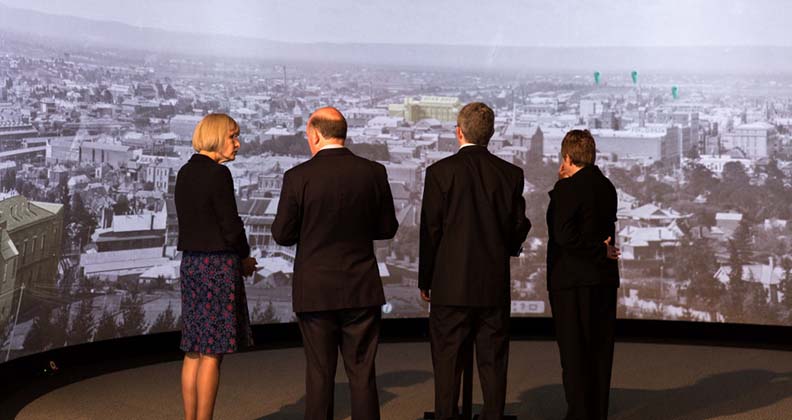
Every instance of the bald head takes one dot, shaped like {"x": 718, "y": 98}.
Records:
{"x": 329, "y": 123}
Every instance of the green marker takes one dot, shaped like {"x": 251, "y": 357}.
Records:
{"x": 675, "y": 92}
{"x": 634, "y": 76}
{"x": 596, "y": 77}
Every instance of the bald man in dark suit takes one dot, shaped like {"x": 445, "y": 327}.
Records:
{"x": 333, "y": 207}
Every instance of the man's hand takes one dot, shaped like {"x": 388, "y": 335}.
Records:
{"x": 248, "y": 266}
{"x": 611, "y": 251}
{"x": 426, "y": 295}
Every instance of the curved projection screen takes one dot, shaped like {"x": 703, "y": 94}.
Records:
{"x": 690, "y": 103}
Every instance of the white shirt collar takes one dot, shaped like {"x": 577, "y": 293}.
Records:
{"x": 467, "y": 144}
{"x": 331, "y": 146}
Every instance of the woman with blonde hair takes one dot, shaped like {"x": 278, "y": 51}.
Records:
{"x": 215, "y": 257}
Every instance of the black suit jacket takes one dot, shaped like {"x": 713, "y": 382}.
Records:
{"x": 206, "y": 208}
{"x": 580, "y": 217}
{"x": 472, "y": 221}
{"x": 333, "y": 206}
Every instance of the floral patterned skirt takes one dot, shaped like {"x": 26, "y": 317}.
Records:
{"x": 215, "y": 316}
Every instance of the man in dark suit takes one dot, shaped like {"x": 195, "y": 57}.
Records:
{"x": 333, "y": 206}
{"x": 583, "y": 275}
{"x": 472, "y": 221}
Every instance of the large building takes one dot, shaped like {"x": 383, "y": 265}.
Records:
{"x": 441, "y": 108}
{"x": 8, "y": 263}
{"x": 755, "y": 141}
{"x": 12, "y": 133}
{"x": 524, "y": 135}
{"x": 31, "y": 257}
{"x": 133, "y": 231}
{"x": 132, "y": 245}
{"x": 112, "y": 153}
{"x": 590, "y": 107}
{"x": 160, "y": 171}
{"x": 408, "y": 172}
{"x": 184, "y": 125}
{"x": 258, "y": 215}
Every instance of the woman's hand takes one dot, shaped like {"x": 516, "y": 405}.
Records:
{"x": 248, "y": 266}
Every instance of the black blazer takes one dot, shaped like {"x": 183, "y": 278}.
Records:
{"x": 333, "y": 206}
{"x": 206, "y": 208}
{"x": 472, "y": 221}
{"x": 580, "y": 217}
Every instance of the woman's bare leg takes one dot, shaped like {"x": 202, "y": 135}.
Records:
{"x": 189, "y": 378}
{"x": 208, "y": 379}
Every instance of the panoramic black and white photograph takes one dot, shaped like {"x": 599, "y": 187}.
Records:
{"x": 690, "y": 104}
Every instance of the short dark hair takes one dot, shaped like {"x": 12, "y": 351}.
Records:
{"x": 580, "y": 146}
{"x": 330, "y": 128}
{"x": 477, "y": 122}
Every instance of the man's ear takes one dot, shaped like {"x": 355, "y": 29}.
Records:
{"x": 313, "y": 136}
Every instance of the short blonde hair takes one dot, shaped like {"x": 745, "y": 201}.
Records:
{"x": 212, "y": 131}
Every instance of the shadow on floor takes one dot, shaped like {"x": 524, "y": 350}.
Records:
{"x": 399, "y": 379}
{"x": 711, "y": 397}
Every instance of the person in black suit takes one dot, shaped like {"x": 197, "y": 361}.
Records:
{"x": 583, "y": 275}
{"x": 333, "y": 206}
{"x": 215, "y": 256}
{"x": 472, "y": 221}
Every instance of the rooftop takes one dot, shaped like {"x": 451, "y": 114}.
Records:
{"x": 18, "y": 211}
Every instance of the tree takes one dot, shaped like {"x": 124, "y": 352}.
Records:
{"x": 776, "y": 193}
{"x": 742, "y": 240}
{"x": 775, "y": 176}
{"x": 107, "y": 328}
{"x": 170, "y": 92}
{"x": 122, "y": 205}
{"x": 287, "y": 145}
{"x": 88, "y": 284}
{"x": 6, "y": 325}
{"x": 81, "y": 329}
{"x": 739, "y": 248}
{"x": 785, "y": 287}
{"x": 83, "y": 219}
{"x": 692, "y": 153}
{"x": 700, "y": 180}
{"x": 267, "y": 316}
{"x": 653, "y": 190}
{"x": 65, "y": 199}
{"x": 26, "y": 188}
{"x": 107, "y": 97}
{"x": 166, "y": 321}
{"x": 734, "y": 174}
{"x": 134, "y": 318}
{"x": 695, "y": 265}
{"x": 38, "y": 338}
{"x": 759, "y": 310}
{"x": 9, "y": 180}
{"x": 60, "y": 325}
{"x": 370, "y": 151}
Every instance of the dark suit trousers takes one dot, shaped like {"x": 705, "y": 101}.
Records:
{"x": 585, "y": 321}
{"x": 356, "y": 333}
{"x": 453, "y": 331}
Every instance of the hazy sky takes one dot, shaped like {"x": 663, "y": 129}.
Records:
{"x": 487, "y": 22}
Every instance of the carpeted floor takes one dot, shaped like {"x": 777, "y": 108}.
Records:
{"x": 650, "y": 381}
